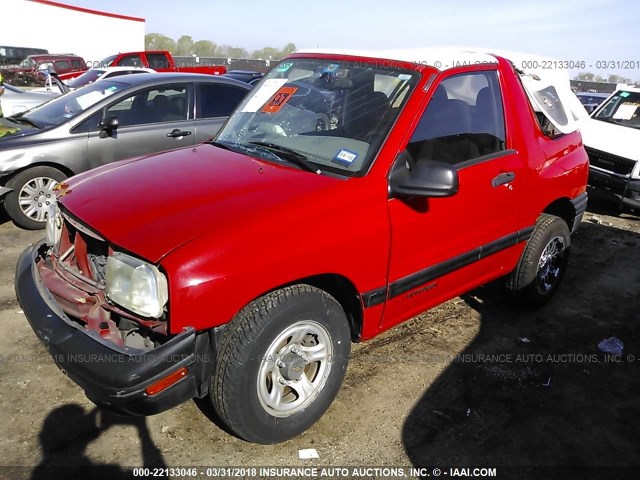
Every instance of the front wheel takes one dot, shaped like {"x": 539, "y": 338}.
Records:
{"x": 32, "y": 195}
{"x": 281, "y": 363}
{"x": 542, "y": 265}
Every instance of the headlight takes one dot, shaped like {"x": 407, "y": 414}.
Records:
{"x": 54, "y": 225}
{"x": 136, "y": 285}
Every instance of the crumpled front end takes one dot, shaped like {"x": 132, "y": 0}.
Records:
{"x": 121, "y": 360}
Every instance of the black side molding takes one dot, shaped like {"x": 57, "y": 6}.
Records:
{"x": 374, "y": 297}
{"x": 426, "y": 275}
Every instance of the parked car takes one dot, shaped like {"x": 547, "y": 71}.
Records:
{"x": 590, "y": 101}
{"x": 10, "y": 56}
{"x": 249, "y": 76}
{"x": 243, "y": 269}
{"x": 611, "y": 137}
{"x": 157, "y": 60}
{"x": 29, "y": 71}
{"x": 16, "y": 100}
{"x": 105, "y": 121}
{"x": 94, "y": 74}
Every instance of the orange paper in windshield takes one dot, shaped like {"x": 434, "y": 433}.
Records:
{"x": 277, "y": 101}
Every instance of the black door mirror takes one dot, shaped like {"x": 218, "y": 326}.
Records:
{"x": 109, "y": 124}
{"x": 426, "y": 178}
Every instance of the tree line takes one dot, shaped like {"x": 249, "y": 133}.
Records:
{"x": 185, "y": 46}
{"x": 590, "y": 77}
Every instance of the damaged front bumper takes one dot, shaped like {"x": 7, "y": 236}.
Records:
{"x": 625, "y": 188}
{"x": 112, "y": 376}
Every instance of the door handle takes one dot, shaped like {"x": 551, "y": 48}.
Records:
{"x": 177, "y": 133}
{"x": 503, "y": 178}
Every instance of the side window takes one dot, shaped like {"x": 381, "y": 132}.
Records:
{"x": 218, "y": 100}
{"x": 90, "y": 124}
{"x": 76, "y": 64}
{"x": 167, "y": 104}
{"x": 463, "y": 120}
{"x": 157, "y": 60}
{"x": 61, "y": 65}
{"x": 130, "y": 61}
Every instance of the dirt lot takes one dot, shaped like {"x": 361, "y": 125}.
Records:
{"x": 526, "y": 389}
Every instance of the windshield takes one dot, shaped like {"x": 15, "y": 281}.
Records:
{"x": 623, "y": 108}
{"x": 86, "y": 78}
{"x": 28, "y": 63}
{"x": 107, "y": 61}
{"x": 66, "y": 107}
{"x": 331, "y": 114}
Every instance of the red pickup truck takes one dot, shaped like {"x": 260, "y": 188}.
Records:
{"x": 349, "y": 192}
{"x": 159, "y": 60}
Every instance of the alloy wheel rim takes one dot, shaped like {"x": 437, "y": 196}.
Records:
{"x": 36, "y": 196}
{"x": 295, "y": 368}
{"x": 550, "y": 265}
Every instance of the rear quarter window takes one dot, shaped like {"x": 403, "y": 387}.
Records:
{"x": 218, "y": 100}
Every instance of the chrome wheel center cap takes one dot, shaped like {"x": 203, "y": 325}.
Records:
{"x": 293, "y": 366}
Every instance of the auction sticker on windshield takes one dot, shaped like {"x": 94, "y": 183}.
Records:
{"x": 345, "y": 157}
{"x": 626, "y": 111}
{"x": 262, "y": 96}
{"x": 278, "y": 100}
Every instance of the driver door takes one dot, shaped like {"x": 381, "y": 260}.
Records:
{"x": 441, "y": 247}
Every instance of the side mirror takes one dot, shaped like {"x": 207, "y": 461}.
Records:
{"x": 427, "y": 178}
{"x": 109, "y": 124}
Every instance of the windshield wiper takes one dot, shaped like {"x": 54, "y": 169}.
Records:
{"x": 21, "y": 119}
{"x": 289, "y": 155}
{"x": 215, "y": 143}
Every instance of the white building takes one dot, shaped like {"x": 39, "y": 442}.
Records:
{"x": 63, "y": 28}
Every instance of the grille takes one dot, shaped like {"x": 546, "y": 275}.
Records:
{"x": 612, "y": 163}
{"x": 89, "y": 258}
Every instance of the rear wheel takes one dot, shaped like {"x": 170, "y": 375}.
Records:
{"x": 542, "y": 265}
{"x": 282, "y": 360}
{"x": 33, "y": 193}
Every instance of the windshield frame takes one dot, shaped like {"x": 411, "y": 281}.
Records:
{"x": 402, "y": 78}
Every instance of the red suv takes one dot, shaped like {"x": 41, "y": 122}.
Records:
{"x": 346, "y": 194}
{"x": 27, "y": 73}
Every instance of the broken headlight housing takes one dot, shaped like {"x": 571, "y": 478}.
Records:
{"x": 136, "y": 285}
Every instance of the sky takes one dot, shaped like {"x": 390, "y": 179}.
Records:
{"x": 571, "y": 30}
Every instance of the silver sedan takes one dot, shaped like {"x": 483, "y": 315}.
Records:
{"x": 105, "y": 121}
{"x": 15, "y": 100}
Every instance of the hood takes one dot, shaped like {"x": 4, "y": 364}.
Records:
{"x": 152, "y": 205}
{"x": 9, "y": 129}
{"x": 618, "y": 140}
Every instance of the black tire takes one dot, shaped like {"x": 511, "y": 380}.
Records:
{"x": 17, "y": 183}
{"x": 531, "y": 283}
{"x": 235, "y": 388}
